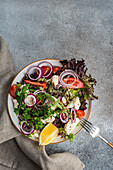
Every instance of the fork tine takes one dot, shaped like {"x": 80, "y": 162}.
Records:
{"x": 86, "y": 123}
{"x": 92, "y": 127}
{"x": 92, "y": 130}
{"x": 89, "y": 123}
{"x": 85, "y": 127}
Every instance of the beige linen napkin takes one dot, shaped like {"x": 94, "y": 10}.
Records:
{"x": 7, "y": 131}
{"x": 59, "y": 161}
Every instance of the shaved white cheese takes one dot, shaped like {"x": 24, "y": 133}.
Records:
{"x": 55, "y": 80}
{"x": 37, "y": 133}
{"x": 64, "y": 100}
{"x": 74, "y": 103}
{"x": 53, "y": 107}
{"x": 69, "y": 127}
{"x": 49, "y": 119}
{"x": 15, "y": 103}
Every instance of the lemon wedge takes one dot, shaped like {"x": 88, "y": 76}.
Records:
{"x": 48, "y": 134}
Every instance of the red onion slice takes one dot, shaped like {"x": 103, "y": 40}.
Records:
{"x": 67, "y": 73}
{"x": 36, "y": 70}
{"x": 73, "y": 113}
{"x": 31, "y": 100}
{"x": 25, "y": 130}
{"x": 45, "y": 63}
{"x": 20, "y": 117}
{"x": 64, "y": 120}
{"x": 38, "y": 91}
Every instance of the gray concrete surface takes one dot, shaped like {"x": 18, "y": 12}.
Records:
{"x": 61, "y": 29}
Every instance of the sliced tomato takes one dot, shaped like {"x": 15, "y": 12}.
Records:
{"x": 46, "y": 70}
{"x": 44, "y": 84}
{"x": 78, "y": 84}
{"x": 69, "y": 80}
{"x": 80, "y": 114}
{"x": 55, "y": 69}
{"x": 12, "y": 91}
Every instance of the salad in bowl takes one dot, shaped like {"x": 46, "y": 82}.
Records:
{"x": 48, "y": 99}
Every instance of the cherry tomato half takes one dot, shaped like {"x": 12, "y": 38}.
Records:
{"x": 12, "y": 91}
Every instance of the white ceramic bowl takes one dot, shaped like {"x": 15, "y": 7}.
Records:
{"x": 14, "y": 117}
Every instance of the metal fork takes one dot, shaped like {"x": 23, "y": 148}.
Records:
{"x": 93, "y": 130}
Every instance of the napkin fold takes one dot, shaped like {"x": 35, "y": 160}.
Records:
{"x": 7, "y": 73}
{"x": 59, "y": 161}
{"x": 7, "y": 130}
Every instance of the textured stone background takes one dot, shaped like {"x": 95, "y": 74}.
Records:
{"x": 62, "y": 29}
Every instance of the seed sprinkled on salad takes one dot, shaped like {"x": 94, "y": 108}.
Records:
{"x": 49, "y": 95}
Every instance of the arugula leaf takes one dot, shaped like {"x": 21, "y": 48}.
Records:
{"x": 50, "y": 98}
{"x": 57, "y": 103}
{"x": 18, "y": 85}
{"x": 32, "y": 90}
{"x": 25, "y": 88}
{"x": 16, "y": 111}
{"x": 18, "y": 92}
{"x": 20, "y": 97}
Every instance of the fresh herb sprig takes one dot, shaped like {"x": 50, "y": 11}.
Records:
{"x": 20, "y": 96}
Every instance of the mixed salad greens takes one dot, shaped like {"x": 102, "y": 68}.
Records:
{"x": 53, "y": 94}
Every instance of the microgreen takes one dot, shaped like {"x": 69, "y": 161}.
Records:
{"x": 71, "y": 136}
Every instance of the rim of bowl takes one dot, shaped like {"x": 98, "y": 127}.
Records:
{"x": 90, "y": 103}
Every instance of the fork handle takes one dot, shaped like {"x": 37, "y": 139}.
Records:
{"x": 106, "y": 141}
{"x": 110, "y": 145}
